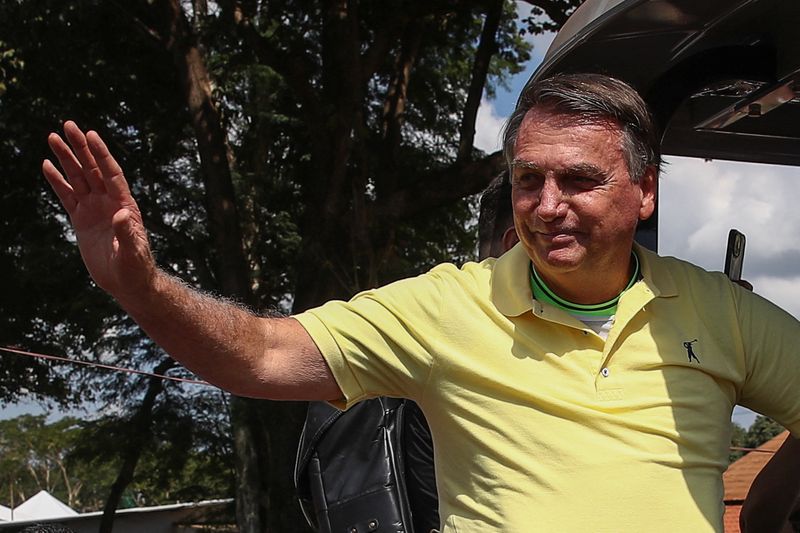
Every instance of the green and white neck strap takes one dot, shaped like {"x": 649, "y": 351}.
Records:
{"x": 542, "y": 293}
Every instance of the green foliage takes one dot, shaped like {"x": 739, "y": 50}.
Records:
{"x": 34, "y": 457}
{"x": 738, "y": 436}
{"x": 188, "y": 458}
{"x": 64, "y": 65}
{"x": 762, "y": 430}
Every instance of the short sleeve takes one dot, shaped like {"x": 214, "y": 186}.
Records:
{"x": 771, "y": 342}
{"x": 378, "y": 343}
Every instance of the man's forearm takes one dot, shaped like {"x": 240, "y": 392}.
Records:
{"x": 774, "y": 493}
{"x": 230, "y": 346}
{"x": 217, "y": 339}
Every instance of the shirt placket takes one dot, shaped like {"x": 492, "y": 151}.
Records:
{"x": 607, "y": 379}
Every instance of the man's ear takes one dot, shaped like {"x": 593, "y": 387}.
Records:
{"x": 509, "y": 239}
{"x": 648, "y": 183}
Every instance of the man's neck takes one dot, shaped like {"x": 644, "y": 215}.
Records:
{"x": 593, "y": 287}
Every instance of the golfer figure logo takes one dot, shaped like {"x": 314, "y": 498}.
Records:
{"x": 689, "y": 352}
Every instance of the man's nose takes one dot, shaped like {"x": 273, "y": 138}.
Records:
{"x": 551, "y": 201}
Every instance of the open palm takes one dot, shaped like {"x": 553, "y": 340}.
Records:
{"x": 107, "y": 222}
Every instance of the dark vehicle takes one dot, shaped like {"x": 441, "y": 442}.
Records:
{"x": 722, "y": 76}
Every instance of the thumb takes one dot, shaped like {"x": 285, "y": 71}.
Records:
{"x": 135, "y": 266}
{"x": 130, "y": 233}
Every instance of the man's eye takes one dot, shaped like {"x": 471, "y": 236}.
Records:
{"x": 584, "y": 181}
{"x": 527, "y": 179}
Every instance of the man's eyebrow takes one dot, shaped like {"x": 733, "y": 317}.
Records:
{"x": 585, "y": 169}
{"x": 521, "y": 163}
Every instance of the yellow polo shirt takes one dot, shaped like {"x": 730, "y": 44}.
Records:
{"x": 541, "y": 425}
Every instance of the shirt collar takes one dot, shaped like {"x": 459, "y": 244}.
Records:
{"x": 511, "y": 290}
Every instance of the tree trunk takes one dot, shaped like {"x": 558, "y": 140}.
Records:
{"x": 265, "y": 433}
{"x": 139, "y": 433}
{"x": 480, "y": 69}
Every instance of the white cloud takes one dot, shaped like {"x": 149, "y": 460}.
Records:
{"x": 701, "y": 200}
{"x": 488, "y": 127}
{"x": 785, "y": 292}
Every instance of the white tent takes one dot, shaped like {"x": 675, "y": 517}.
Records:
{"x": 5, "y": 514}
{"x": 42, "y": 506}
{"x": 174, "y": 518}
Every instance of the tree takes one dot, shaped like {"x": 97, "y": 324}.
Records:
{"x": 33, "y": 457}
{"x": 738, "y": 436}
{"x": 167, "y": 451}
{"x": 189, "y": 459}
{"x": 284, "y": 153}
{"x": 760, "y": 431}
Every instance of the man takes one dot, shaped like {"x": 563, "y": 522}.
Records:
{"x": 555, "y": 381}
{"x": 383, "y": 444}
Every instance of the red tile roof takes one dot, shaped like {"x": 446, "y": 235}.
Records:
{"x": 731, "y": 518}
{"x": 740, "y": 474}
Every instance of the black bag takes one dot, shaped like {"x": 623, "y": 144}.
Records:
{"x": 349, "y": 473}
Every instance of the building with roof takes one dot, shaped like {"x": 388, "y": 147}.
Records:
{"x": 740, "y": 475}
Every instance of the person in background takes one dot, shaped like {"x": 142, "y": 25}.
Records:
{"x": 772, "y": 504}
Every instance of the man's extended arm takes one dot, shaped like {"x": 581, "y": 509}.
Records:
{"x": 774, "y": 493}
{"x": 220, "y": 341}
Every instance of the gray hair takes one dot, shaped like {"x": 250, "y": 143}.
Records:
{"x": 593, "y": 99}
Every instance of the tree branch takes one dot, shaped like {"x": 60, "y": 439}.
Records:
{"x": 480, "y": 70}
{"x": 557, "y": 10}
{"x": 441, "y": 187}
{"x": 146, "y": 30}
{"x": 395, "y": 105}
{"x": 343, "y": 92}
{"x": 384, "y": 37}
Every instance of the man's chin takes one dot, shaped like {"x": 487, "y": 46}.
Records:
{"x": 558, "y": 260}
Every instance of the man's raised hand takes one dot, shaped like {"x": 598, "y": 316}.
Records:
{"x": 107, "y": 222}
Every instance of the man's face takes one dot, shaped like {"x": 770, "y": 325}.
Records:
{"x": 575, "y": 207}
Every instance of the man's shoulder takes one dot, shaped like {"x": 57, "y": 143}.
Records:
{"x": 468, "y": 273}
{"x": 446, "y": 280}
{"x": 680, "y": 269}
{"x": 673, "y": 277}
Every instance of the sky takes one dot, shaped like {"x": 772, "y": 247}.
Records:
{"x": 699, "y": 202}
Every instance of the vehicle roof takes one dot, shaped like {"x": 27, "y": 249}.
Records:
{"x": 723, "y": 76}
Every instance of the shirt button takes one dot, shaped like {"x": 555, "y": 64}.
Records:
{"x": 605, "y": 372}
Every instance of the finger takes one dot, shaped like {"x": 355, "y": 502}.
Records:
{"x": 69, "y": 163}
{"x": 80, "y": 147}
{"x": 63, "y": 190}
{"x": 115, "y": 182}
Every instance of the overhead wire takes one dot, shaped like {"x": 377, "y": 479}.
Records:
{"x": 26, "y": 353}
